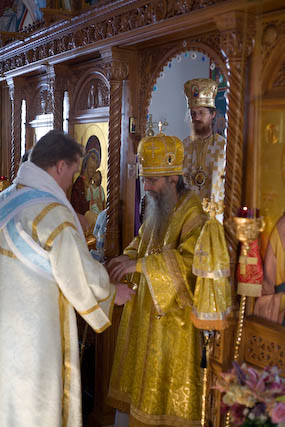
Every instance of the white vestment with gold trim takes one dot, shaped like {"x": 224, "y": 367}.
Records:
{"x": 40, "y": 372}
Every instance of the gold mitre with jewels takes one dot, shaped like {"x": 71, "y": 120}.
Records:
{"x": 160, "y": 155}
{"x": 201, "y": 92}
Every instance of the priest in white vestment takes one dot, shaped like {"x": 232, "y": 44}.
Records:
{"x": 46, "y": 271}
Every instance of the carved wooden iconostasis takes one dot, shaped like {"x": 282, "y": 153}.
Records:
{"x": 107, "y": 61}
{"x": 263, "y": 341}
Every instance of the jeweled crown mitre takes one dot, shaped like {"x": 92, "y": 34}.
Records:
{"x": 201, "y": 92}
{"x": 160, "y": 155}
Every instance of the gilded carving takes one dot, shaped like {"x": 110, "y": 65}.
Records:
{"x": 280, "y": 78}
{"x": 272, "y": 31}
{"x": 50, "y": 48}
{"x": 270, "y": 35}
{"x": 60, "y": 46}
{"x": 34, "y": 58}
{"x": 236, "y": 44}
{"x": 263, "y": 352}
{"x": 237, "y": 37}
{"x": 25, "y": 58}
{"x": 95, "y": 94}
{"x": 217, "y": 344}
{"x": 19, "y": 61}
{"x": 116, "y": 70}
{"x": 45, "y": 101}
{"x": 133, "y": 17}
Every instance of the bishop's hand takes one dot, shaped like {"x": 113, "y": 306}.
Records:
{"x": 120, "y": 266}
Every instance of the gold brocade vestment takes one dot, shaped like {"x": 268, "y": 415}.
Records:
{"x": 156, "y": 374}
{"x": 204, "y": 162}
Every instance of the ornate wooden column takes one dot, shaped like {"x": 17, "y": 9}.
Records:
{"x": 236, "y": 41}
{"x": 116, "y": 72}
{"x": 59, "y": 87}
{"x": 15, "y": 141}
{"x": 51, "y": 100}
{"x": 58, "y": 106}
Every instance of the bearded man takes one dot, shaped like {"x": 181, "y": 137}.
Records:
{"x": 205, "y": 150}
{"x": 156, "y": 375}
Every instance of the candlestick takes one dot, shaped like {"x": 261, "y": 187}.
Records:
{"x": 246, "y": 212}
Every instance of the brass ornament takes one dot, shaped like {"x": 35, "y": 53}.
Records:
{"x": 247, "y": 230}
{"x": 90, "y": 239}
{"x": 4, "y": 183}
{"x": 213, "y": 208}
{"x": 199, "y": 177}
{"x": 130, "y": 284}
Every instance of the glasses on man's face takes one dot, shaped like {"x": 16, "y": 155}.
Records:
{"x": 199, "y": 113}
{"x": 151, "y": 180}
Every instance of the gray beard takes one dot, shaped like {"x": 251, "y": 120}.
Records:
{"x": 159, "y": 207}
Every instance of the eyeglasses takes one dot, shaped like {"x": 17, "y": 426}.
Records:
{"x": 151, "y": 181}
{"x": 200, "y": 113}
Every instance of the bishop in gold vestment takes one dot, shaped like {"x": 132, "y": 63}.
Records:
{"x": 156, "y": 375}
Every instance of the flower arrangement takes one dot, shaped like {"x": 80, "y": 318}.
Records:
{"x": 253, "y": 398}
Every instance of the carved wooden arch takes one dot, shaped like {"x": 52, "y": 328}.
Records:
{"x": 273, "y": 64}
{"x": 168, "y": 56}
{"x": 33, "y": 98}
{"x": 80, "y": 87}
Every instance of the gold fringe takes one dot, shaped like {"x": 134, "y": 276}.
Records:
{"x": 249, "y": 289}
{"x": 218, "y": 324}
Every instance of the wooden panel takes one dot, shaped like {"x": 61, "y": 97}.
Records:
{"x": 103, "y": 414}
{"x": 263, "y": 344}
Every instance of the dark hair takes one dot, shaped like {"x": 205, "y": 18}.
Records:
{"x": 214, "y": 120}
{"x": 25, "y": 156}
{"x": 212, "y": 109}
{"x": 53, "y": 147}
{"x": 180, "y": 186}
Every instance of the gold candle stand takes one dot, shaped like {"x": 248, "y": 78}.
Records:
{"x": 212, "y": 208}
{"x": 207, "y": 341}
{"x": 246, "y": 231}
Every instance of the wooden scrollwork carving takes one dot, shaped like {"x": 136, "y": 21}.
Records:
{"x": 236, "y": 42}
{"x": 15, "y": 143}
{"x": 116, "y": 72}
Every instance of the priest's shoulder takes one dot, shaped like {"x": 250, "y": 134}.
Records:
{"x": 48, "y": 215}
{"x": 191, "y": 200}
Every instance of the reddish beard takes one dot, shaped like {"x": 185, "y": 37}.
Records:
{"x": 201, "y": 129}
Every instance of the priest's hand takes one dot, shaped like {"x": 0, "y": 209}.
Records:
{"x": 120, "y": 266}
{"x": 123, "y": 294}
